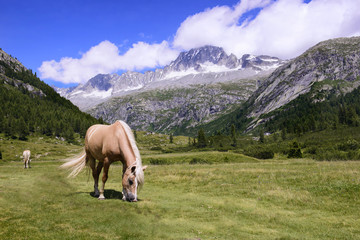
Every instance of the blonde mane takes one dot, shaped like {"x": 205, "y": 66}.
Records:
{"x": 139, "y": 170}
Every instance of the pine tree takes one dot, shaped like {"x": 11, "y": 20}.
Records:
{"x": 69, "y": 134}
{"x": 283, "y": 134}
{"x": 23, "y": 129}
{"x": 233, "y": 136}
{"x": 201, "y": 138}
{"x": 262, "y": 137}
{"x": 171, "y": 138}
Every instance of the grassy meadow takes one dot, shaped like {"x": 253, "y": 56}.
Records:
{"x": 221, "y": 195}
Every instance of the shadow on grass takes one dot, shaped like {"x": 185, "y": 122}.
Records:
{"x": 109, "y": 194}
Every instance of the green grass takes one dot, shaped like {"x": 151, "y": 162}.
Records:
{"x": 208, "y": 157}
{"x": 42, "y": 148}
{"x": 277, "y": 199}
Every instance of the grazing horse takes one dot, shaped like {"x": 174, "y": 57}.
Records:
{"x": 108, "y": 144}
{"x": 26, "y": 156}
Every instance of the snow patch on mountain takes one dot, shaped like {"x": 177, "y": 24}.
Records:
{"x": 98, "y": 93}
{"x": 205, "y": 65}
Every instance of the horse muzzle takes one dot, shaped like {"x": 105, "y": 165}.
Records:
{"x": 130, "y": 197}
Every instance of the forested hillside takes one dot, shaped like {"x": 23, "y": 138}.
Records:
{"x": 316, "y": 91}
{"x": 28, "y": 106}
{"x": 304, "y": 114}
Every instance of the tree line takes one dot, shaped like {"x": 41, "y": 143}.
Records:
{"x": 306, "y": 115}
{"x": 22, "y": 112}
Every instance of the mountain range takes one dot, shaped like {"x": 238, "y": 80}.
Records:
{"x": 205, "y": 87}
{"x": 197, "y": 87}
{"x": 205, "y": 65}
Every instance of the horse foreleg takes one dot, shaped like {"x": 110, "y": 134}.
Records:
{"x": 104, "y": 178}
{"x": 96, "y": 174}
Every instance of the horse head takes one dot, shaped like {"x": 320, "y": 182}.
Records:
{"x": 132, "y": 179}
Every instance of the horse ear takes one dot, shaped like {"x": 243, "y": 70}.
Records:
{"x": 133, "y": 169}
{"x": 144, "y": 167}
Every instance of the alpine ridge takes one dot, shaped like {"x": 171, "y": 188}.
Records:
{"x": 205, "y": 65}
{"x": 334, "y": 63}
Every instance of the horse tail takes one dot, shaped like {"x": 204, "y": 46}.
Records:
{"x": 75, "y": 164}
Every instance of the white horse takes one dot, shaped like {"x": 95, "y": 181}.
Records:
{"x": 27, "y": 160}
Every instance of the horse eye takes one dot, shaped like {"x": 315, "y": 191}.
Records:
{"x": 131, "y": 182}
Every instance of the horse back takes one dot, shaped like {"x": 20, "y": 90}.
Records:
{"x": 26, "y": 154}
{"x": 103, "y": 141}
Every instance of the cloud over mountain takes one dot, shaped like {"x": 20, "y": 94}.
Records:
{"x": 279, "y": 28}
{"x": 105, "y": 58}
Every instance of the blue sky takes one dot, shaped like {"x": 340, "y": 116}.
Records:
{"x": 68, "y": 42}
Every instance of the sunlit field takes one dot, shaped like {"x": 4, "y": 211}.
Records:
{"x": 242, "y": 198}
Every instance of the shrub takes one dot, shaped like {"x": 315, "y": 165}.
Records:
{"x": 167, "y": 151}
{"x": 199, "y": 161}
{"x": 157, "y": 148}
{"x": 158, "y": 161}
{"x": 259, "y": 152}
{"x": 350, "y": 144}
{"x": 295, "y": 151}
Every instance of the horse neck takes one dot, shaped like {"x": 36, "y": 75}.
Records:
{"x": 130, "y": 156}
{"x": 129, "y": 161}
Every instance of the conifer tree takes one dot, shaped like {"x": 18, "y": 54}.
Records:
{"x": 262, "y": 137}
{"x": 233, "y": 136}
{"x": 171, "y": 138}
{"x": 201, "y": 138}
{"x": 23, "y": 129}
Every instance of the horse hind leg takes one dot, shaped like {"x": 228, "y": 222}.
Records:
{"x": 95, "y": 172}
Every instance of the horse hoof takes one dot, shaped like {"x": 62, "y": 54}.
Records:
{"x": 101, "y": 198}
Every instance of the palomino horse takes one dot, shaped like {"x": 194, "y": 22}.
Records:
{"x": 108, "y": 144}
{"x": 26, "y": 156}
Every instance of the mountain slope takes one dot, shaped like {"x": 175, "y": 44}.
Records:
{"x": 176, "y": 110}
{"x": 337, "y": 59}
{"x": 326, "y": 71}
{"x": 28, "y": 105}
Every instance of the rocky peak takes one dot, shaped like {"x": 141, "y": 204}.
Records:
{"x": 197, "y": 56}
{"x": 10, "y": 61}
{"x": 100, "y": 81}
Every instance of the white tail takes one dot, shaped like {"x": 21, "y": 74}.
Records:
{"x": 75, "y": 164}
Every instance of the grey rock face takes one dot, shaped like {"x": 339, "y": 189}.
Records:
{"x": 178, "y": 109}
{"x": 337, "y": 59}
{"x": 9, "y": 60}
{"x": 17, "y": 66}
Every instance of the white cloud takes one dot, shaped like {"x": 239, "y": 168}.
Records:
{"x": 283, "y": 28}
{"x": 105, "y": 58}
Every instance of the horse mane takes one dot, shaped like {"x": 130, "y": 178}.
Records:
{"x": 139, "y": 171}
